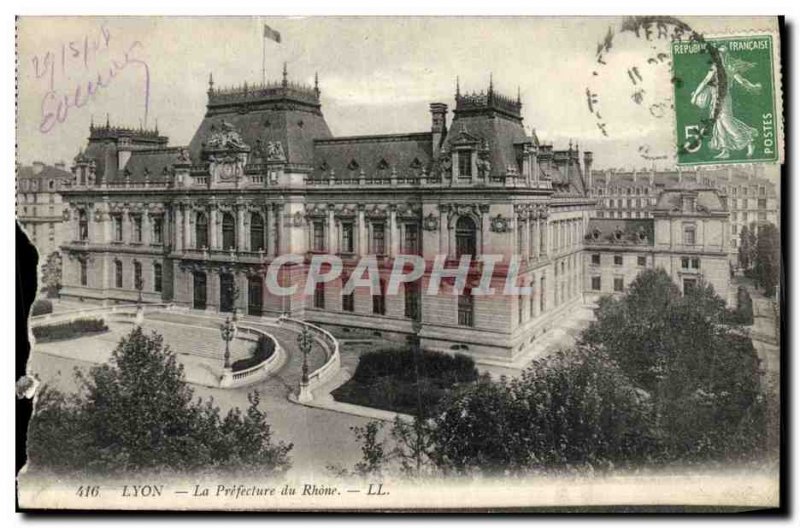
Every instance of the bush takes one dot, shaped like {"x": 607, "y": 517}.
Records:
{"x": 137, "y": 413}
{"x": 408, "y": 365}
{"x": 262, "y": 351}
{"x": 405, "y": 380}
{"x": 743, "y": 314}
{"x": 41, "y": 307}
{"x": 70, "y": 330}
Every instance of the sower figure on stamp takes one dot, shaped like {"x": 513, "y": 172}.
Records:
{"x": 728, "y": 133}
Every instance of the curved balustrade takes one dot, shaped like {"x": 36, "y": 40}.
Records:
{"x": 120, "y": 309}
{"x": 255, "y": 373}
{"x": 331, "y": 367}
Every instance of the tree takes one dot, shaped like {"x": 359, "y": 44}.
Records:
{"x": 768, "y": 258}
{"x": 701, "y": 371}
{"x": 573, "y": 409}
{"x": 51, "y": 274}
{"x": 747, "y": 247}
{"x": 137, "y": 412}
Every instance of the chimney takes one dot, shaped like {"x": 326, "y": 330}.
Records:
{"x": 438, "y": 125}
{"x": 60, "y": 165}
{"x": 38, "y": 167}
{"x": 587, "y": 167}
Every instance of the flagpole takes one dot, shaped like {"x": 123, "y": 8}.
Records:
{"x": 263, "y": 58}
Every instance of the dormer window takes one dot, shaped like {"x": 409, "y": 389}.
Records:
{"x": 689, "y": 203}
{"x": 689, "y": 238}
{"x": 383, "y": 165}
{"x": 465, "y": 164}
{"x": 353, "y": 165}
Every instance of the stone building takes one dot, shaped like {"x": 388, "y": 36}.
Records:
{"x": 264, "y": 178}
{"x": 687, "y": 235}
{"x": 749, "y": 196}
{"x": 40, "y": 207}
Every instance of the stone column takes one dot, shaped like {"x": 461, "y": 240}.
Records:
{"x": 212, "y": 229}
{"x": 177, "y": 227}
{"x": 394, "y": 238}
{"x": 361, "y": 235}
{"x": 271, "y": 248}
{"x": 241, "y": 239}
{"x": 526, "y": 235}
{"x": 188, "y": 221}
{"x": 331, "y": 246}
{"x": 282, "y": 236}
{"x": 146, "y": 227}
{"x": 444, "y": 230}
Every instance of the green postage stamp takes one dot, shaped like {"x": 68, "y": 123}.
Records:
{"x": 725, "y": 100}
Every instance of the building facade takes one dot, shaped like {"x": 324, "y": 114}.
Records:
{"x": 750, "y": 197}
{"x": 687, "y": 235}
{"x": 40, "y": 207}
{"x": 264, "y": 177}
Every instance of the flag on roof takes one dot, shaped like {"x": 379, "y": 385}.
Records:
{"x": 271, "y": 34}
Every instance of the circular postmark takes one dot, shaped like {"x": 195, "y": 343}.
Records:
{"x": 637, "y": 55}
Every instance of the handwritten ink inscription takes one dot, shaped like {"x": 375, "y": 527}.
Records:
{"x": 95, "y": 61}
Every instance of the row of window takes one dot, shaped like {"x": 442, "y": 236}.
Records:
{"x": 629, "y": 203}
{"x": 762, "y": 191}
{"x": 597, "y": 283}
{"x": 623, "y": 214}
{"x": 377, "y": 243}
{"x": 411, "y": 298}
{"x": 119, "y": 274}
{"x": 32, "y": 198}
{"x": 156, "y": 225}
{"x": 626, "y": 190}
{"x": 258, "y": 231}
{"x": 641, "y": 260}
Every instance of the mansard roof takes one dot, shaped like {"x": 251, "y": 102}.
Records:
{"x": 707, "y": 199}
{"x": 375, "y": 155}
{"x": 620, "y": 232}
{"x": 277, "y": 112}
{"x": 47, "y": 173}
{"x": 149, "y": 165}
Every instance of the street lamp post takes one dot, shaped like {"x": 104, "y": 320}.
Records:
{"x": 234, "y": 293}
{"x": 139, "y": 285}
{"x": 304, "y": 341}
{"x": 226, "y": 330}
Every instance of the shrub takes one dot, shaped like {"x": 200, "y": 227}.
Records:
{"x": 743, "y": 314}
{"x": 70, "y": 330}
{"x": 262, "y": 351}
{"x": 41, "y": 307}
{"x": 406, "y": 380}
{"x": 137, "y": 413}
{"x": 409, "y": 365}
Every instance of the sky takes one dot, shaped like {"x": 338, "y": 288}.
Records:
{"x": 377, "y": 75}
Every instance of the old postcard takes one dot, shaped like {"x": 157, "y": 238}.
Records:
{"x": 401, "y": 263}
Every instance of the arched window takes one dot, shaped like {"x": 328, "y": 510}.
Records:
{"x": 84, "y": 275}
{"x": 157, "y": 274}
{"x": 83, "y": 225}
{"x": 201, "y": 231}
{"x": 465, "y": 236}
{"x": 118, "y": 274}
{"x": 348, "y": 300}
{"x": 228, "y": 231}
{"x": 138, "y": 281}
{"x": 379, "y": 300}
{"x": 689, "y": 238}
{"x": 257, "y": 242}
{"x": 466, "y": 308}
